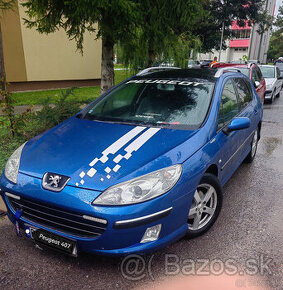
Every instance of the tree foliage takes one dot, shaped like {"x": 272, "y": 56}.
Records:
{"x": 144, "y": 29}
{"x": 276, "y": 42}
{"x": 216, "y": 12}
{"x": 164, "y": 31}
{"x": 171, "y": 29}
{"x": 6, "y": 4}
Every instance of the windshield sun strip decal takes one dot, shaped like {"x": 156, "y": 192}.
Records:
{"x": 168, "y": 82}
{"x": 115, "y": 147}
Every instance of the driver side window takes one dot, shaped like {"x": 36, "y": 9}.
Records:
{"x": 229, "y": 106}
{"x": 255, "y": 76}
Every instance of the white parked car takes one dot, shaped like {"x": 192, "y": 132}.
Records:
{"x": 273, "y": 80}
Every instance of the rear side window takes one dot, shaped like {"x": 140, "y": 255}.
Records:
{"x": 229, "y": 106}
{"x": 244, "y": 92}
{"x": 255, "y": 76}
{"x": 259, "y": 73}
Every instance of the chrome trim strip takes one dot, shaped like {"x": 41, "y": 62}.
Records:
{"x": 235, "y": 153}
{"x": 95, "y": 219}
{"x": 141, "y": 220}
{"x": 12, "y": 195}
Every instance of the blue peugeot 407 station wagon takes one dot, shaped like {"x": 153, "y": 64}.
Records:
{"x": 137, "y": 169}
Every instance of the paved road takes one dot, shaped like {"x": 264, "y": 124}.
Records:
{"x": 249, "y": 232}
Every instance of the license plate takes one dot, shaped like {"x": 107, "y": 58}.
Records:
{"x": 54, "y": 241}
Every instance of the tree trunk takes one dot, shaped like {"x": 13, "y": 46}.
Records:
{"x": 150, "y": 54}
{"x": 2, "y": 65}
{"x": 107, "y": 66}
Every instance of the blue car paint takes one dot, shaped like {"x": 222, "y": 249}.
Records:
{"x": 239, "y": 124}
{"x": 71, "y": 146}
{"x": 77, "y": 145}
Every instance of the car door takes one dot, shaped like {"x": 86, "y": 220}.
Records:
{"x": 228, "y": 143}
{"x": 256, "y": 76}
{"x": 245, "y": 97}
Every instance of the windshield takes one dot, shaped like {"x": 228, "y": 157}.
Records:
{"x": 267, "y": 72}
{"x": 155, "y": 102}
{"x": 244, "y": 71}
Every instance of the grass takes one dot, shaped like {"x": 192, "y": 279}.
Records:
{"x": 119, "y": 65}
{"x": 81, "y": 95}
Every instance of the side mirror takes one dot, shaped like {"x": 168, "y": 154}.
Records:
{"x": 280, "y": 78}
{"x": 257, "y": 83}
{"x": 236, "y": 124}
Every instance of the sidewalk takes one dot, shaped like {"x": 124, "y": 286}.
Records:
{"x": 22, "y": 109}
{"x": 2, "y": 205}
{"x": 34, "y": 108}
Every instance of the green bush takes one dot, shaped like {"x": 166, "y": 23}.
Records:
{"x": 53, "y": 114}
{"x": 31, "y": 124}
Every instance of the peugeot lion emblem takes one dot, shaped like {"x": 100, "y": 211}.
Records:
{"x": 54, "y": 182}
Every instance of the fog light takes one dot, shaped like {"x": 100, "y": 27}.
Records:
{"x": 151, "y": 234}
{"x": 28, "y": 232}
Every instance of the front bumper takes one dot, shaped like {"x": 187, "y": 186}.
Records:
{"x": 126, "y": 225}
{"x": 268, "y": 95}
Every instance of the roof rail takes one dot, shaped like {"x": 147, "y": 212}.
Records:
{"x": 155, "y": 69}
{"x": 223, "y": 70}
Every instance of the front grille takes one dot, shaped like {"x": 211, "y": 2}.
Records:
{"x": 57, "y": 218}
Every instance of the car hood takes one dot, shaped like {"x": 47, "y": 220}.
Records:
{"x": 96, "y": 155}
{"x": 270, "y": 81}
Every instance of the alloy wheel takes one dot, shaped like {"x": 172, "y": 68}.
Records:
{"x": 203, "y": 207}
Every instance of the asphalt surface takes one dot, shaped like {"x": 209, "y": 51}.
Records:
{"x": 248, "y": 234}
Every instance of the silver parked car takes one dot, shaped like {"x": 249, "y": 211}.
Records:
{"x": 274, "y": 82}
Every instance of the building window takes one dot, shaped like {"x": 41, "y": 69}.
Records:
{"x": 242, "y": 33}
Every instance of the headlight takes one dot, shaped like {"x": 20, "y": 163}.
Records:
{"x": 13, "y": 163}
{"x": 268, "y": 87}
{"x": 142, "y": 188}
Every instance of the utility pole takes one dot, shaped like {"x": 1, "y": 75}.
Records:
{"x": 222, "y": 33}
{"x": 221, "y": 41}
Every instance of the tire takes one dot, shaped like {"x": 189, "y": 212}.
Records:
{"x": 204, "y": 210}
{"x": 251, "y": 156}
{"x": 272, "y": 98}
